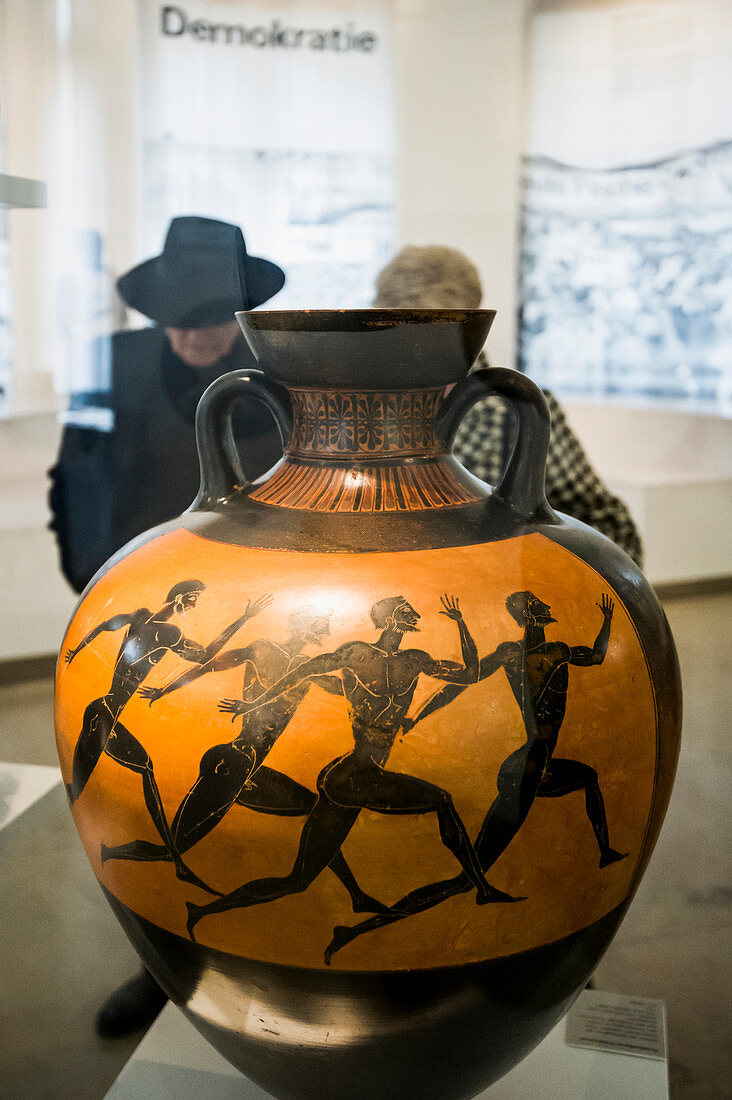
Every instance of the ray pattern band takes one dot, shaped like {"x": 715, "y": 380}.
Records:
{"x": 424, "y": 770}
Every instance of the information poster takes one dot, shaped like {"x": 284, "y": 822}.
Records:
{"x": 626, "y": 262}
{"x": 279, "y": 121}
{"x": 627, "y": 279}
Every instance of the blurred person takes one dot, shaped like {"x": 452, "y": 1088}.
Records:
{"x": 436, "y": 277}
{"x": 128, "y": 458}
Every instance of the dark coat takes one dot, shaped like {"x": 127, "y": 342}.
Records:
{"x": 138, "y": 465}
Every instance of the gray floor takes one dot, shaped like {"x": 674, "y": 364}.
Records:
{"x": 63, "y": 952}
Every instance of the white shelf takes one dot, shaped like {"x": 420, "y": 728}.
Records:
{"x": 17, "y": 193}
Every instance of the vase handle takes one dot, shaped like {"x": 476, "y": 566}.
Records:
{"x": 221, "y": 472}
{"x": 522, "y": 483}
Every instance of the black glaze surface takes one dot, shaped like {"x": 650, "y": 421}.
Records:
{"x": 326, "y": 1035}
{"x": 405, "y": 349}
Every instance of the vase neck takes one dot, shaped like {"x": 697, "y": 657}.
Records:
{"x": 364, "y": 425}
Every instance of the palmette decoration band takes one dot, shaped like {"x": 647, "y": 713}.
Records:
{"x": 377, "y": 680}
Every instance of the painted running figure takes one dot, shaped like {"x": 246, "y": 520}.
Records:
{"x": 149, "y": 636}
{"x": 233, "y": 773}
{"x": 538, "y": 674}
{"x": 379, "y": 681}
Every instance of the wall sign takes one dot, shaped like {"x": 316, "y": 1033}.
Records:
{"x": 275, "y": 34}
{"x": 627, "y": 279}
{"x": 627, "y": 224}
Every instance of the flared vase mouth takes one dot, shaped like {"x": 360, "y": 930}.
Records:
{"x": 371, "y": 349}
{"x": 355, "y": 320}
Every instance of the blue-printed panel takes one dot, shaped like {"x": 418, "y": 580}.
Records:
{"x": 626, "y": 280}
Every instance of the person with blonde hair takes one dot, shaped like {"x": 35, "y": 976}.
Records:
{"x": 437, "y": 277}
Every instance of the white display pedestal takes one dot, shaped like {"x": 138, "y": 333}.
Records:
{"x": 174, "y": 1062}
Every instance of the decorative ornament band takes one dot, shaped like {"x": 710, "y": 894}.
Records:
{"x": 413, "y": 487}
{"x": 364, "y": 423}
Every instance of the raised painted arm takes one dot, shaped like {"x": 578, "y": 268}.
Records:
{"x": 441, "y": 698}
{"x": 115, "y": 623}
{"x": 193, "y": 651}
{"x": 581, "y": 654}
{"x": 467, "y": 673}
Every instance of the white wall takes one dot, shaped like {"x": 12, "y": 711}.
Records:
{"x": 460, "y": 82}
{"x": 25, "y": 60}
{"x": 68, "y": 118}
{"x": 35, "y": 599}
{"x": 674, "y": 471}
{"x": 619, "y": 82}
{"x": 460, "y": 75}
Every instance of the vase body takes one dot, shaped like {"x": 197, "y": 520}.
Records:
{"x": 393, "y": 875}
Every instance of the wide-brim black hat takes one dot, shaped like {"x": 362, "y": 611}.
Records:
{"x": 202, "y": 277}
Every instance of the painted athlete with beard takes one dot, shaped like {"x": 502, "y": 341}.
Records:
{"x": 379, "y": 680}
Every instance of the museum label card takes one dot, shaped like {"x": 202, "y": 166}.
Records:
{"x": 613, "y": 1022}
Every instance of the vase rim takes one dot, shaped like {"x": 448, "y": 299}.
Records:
{"x": 366, "y": 348}
{"x": 349, "y": 320}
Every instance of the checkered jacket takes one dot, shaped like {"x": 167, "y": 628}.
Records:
{"x": 482, "y": 444}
